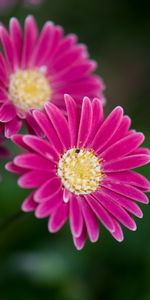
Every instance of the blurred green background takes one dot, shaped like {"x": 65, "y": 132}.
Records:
{"x": 37, "y": 265}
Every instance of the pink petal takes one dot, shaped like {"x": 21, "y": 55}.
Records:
{"x": 133, "y": 178}
{"x": 120, "y": 132}
{"x": 66, "y": 195}
{"x": 85, "y": 122}
{"x": 65, "y": 44}
{"x": 90, "y": 220}
{"x": 3, "y": 70}
{"x": 117, "y": 211}
{"x": 97, "y": 107}
{"x": 125, "y": 202}
{"x": 100, "y": 212}
{"x": 126, "y": 163}
{"x": 28, "y": 204}
{"x": 18, "y": 140}
{"x": 123, "y": 147}
{"x": 30, "y": 37}
{"x": 48, "y": 190}
{"x": 34, "y": 162}
{"x": 77, "y": 71}
{"x": 7, "y": 46}
{"x": 48, "y": 129}
{"x": 11, "y": 167}
{"x": 73, "y": 118}
{"x": 43, "y": 45}
{"x": 60, "y": 124}
{"x": 58, "y": 217}
{"x": 33, "y": 179}
{"x": 7, "y": 112}
{"x": 47, "y": 207}
{"x": 126, "y": 190}
{"x": 32, "y": 125}
{"x": 68, "y": 58}
{"x": 117, "y": 233}
{"x": 16, "y": 39}
{"x": 41, "y": 147}
{"x": 79, "y": 242}
{"x": 141, "y": 150}
{"x": 55, "y": 42}
{"x": 107, "y": 129}
{"x": 76, "y": 219}
{"x": 91, "y": 85}
{"x": 12, "y": 127}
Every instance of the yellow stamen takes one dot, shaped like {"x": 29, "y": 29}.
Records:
{"x": 29, "y": 89}
{"x": 80, "y": 171}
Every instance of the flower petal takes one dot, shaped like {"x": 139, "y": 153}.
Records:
{"x": 100, "y": 212}
{"x": 16, "y": 39}
{"x": 45, "y": 208}
{"x": 33, "y": 179}
{"x": 90, "y": 220}
{"x": 117, "y": 211}
{"x": 73, "y": 118}
{"x": 30, "y": 37}
{"x": 33, "y": 162}
{"x": 76, "y": 219}
{"x": 126, "y": 163}
{"x": 123, "y": 147}
{"x": 12, "y": 127}
{"x": 125, "y": 202}
{"x": 49, "y": 131}
{"x": 58, "y": 217}
{"x": 11, "y": 167}
{"x": 132, "y": 178}
{"x": 7, "y": 112}
{"x": 48, "y": 190}
{"x": 40, "y": 146}
{"x": 7, "y": 46}
{"x": 79, "y": 242}
{"x": 60, "y": 124}
{"x": 28, "y": 204}
{"x": 117, "y": 233}
{"x": 126, "y": 190}
{"x": 107, "y": 129}
{"x": 85, "y": 122}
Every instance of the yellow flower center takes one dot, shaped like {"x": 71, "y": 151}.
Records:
{"x": 80, "y": 171}
{"x": 29, "y": 89}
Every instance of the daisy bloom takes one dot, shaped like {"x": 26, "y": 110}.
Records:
{"x": 81, "y": 170}
{"x": 39, "y": 67}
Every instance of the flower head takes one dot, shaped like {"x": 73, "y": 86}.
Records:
{"x": 40, "y": 67}
{"x": 81, "y": 169}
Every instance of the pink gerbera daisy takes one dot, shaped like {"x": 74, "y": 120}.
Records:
{"x": 37, "y": 68}
{"x": 81, "y": 170}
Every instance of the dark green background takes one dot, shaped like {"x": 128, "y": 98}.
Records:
{"x": 37, "y": 265}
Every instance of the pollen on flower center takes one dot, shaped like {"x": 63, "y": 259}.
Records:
{"x": 29, "y": 89}
{"x": 80, "y": 171}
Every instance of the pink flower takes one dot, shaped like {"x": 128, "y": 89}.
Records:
{"x": 81, "y": 170}
{"x": 41, "y": 67}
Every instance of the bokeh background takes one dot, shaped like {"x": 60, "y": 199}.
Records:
{"x": 35, "y": 264}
